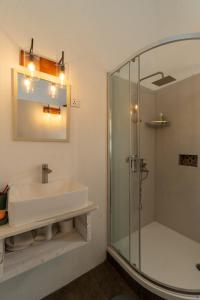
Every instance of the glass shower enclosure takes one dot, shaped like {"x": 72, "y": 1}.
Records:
{"x": 153, "y": 166}
{"x": 124, "y": 162}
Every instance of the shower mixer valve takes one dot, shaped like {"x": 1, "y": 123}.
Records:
{"x": 138, "y": 164}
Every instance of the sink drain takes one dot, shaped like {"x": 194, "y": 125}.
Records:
{"x": 198, "y": 267}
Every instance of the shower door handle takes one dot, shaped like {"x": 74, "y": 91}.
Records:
{"x": 132, "y": 160}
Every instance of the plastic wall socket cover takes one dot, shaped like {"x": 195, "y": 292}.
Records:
{"x": 28, "y": 203}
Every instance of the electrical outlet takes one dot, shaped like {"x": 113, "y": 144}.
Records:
{"x": 75, "y": 103}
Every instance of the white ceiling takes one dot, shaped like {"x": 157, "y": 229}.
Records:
{"x": 100, "y": 30}
{"x": 103, "y": 31}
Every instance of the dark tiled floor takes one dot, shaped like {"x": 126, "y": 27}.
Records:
{"x": 101, "y": 283}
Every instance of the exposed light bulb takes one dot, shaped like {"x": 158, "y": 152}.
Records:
{"x": 135, "y": 108}
{"x": 61, "y": 69}
{"x": 59, "y": 117}
{"x": 134, "y": 114}
{"x": 27, "y": 84}
{"x": 62, "y": 77}
{"x": 31, "y": 67}
{"x": 46, "y": 116}
{"x": 31, "y": 59}
{"x": 53, "y": 90}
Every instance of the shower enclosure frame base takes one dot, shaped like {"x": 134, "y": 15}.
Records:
{"x": 147, "y": 284}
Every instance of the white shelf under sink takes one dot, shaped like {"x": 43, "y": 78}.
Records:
{"x": 15, "y": 263}
{"x": 7, "y": 230}
{"x": 18, "y": 262}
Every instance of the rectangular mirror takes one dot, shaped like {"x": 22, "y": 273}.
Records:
{"x": 41, "y": 107}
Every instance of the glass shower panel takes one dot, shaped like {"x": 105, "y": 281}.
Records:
{"x": 135, "y": 167}
{"x": 169, "y": 93}
{"x": 119, "y": 95}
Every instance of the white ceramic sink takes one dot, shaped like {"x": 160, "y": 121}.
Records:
{"x": 29, "y": 203}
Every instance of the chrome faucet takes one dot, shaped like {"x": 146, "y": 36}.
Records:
{"x": 45, "y": 172}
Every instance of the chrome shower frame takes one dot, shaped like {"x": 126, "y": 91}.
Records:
{"x": 151, "y": 75}
{"x": 156, "y": 287}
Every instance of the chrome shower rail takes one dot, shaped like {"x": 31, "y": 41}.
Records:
{"x": 162, "y": 42}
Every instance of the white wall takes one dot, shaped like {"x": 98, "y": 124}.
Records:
{"x": 177, "y": 16}
{"x": 178, "y": 187}
{"x": 82, "y": 159}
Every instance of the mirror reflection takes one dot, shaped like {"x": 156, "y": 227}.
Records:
{"x": 41, "y": 108}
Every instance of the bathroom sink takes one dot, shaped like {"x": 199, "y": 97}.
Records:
{"x": 33, "y": 202}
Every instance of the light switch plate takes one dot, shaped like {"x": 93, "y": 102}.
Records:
{"x": 75, "y": 103}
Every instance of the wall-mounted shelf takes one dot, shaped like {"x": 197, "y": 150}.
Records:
{"x": 7, "y": 230}
{"x": 158, "y": 124}
{"x": 17, "y": 262}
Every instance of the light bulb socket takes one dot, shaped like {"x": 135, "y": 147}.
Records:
{"x": 61, "y": 63}
{"x": 31, "y": 61}
{"x": 31, "y": 57}
{"x": 31, "y": 48}
{"x": 62, "y": 68}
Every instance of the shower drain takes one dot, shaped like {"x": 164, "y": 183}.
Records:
{"x": 198, "y": 267}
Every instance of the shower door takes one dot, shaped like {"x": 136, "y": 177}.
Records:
{"x": 123, "y": 152}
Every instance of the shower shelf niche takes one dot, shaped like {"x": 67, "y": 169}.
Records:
{"x": 158, "y": 124}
